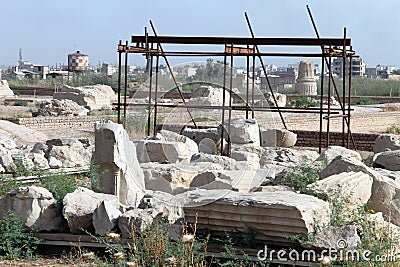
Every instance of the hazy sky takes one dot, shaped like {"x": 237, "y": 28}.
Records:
{"x": 48, "y": 30}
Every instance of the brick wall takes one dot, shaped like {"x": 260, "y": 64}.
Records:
{"x": 364, "y": 142}
{"x": 62, "y": 122}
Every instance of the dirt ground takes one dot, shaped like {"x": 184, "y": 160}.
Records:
{"x": 51, "y": 262}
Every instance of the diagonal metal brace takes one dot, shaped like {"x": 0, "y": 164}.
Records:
{"x": 331, "y": 76}
{"x": 173, "y": 76}
{"x": 265, "y": 72}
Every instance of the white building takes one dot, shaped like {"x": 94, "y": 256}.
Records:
{"x": 357, "y": 68}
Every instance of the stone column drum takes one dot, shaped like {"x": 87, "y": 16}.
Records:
{"x": 305, "y": 83}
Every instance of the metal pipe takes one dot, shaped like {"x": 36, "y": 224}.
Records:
{"x": 156, "y": 95}
{"x": 242, "y": 108}
{"x": 151, "y": 71}
{"x": 223, "y": 107}
{"x": 205, "y": 54}
{"x": 150, "y": 87}
{"x": 173, "y": 75}
{"x": 230, "y": 104}
{"x": 241, "y": 40}
{"x": 119, "y": 83}
{"x": 344, "y": 85}
{"x": 321, "y": 105}
{"x": 349, "y": 104}
{"x": 247, "y": 84}
{"x": 265, "y": 71}
{"x": 253, "y": 86}
{"x": 125, "y": 84}
{"x": 329, "y": 102}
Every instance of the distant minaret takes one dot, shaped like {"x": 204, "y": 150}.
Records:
{"x": 20, "y": 61}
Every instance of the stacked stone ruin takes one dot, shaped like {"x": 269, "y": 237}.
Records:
{"x": 168, "y": 175}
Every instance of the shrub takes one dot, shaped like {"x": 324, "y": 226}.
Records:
{"x": 379, "y": 240}
{"x": 59, "y": 184}
{"x": 300, "y": 177}
{"x": 153, "y": 247}
{"x": 21, "y": 103}
{"x": 7, "y": 184}
{"x": 15, "y": 241}
{"x": 362, "y": 101}
{"x": 393, "y": 129}
{"x": 305, "y": 102}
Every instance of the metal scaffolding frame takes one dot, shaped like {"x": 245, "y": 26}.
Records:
{"x": 151, "y": 46}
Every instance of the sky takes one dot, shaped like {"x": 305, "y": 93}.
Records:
{"x": 48, "y": 30}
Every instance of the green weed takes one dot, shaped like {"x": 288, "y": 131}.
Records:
{"x": 300, "y": 177}
{"x": 362, "y": 101}
{"x": 393, "y": 129}
{"x": 15, "y": 241}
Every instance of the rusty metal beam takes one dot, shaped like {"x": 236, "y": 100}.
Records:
{"x": 240, "y": 40}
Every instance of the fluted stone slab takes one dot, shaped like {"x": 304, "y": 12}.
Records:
{"x": 356, "y": 186}
{"x": 262, "y": 212}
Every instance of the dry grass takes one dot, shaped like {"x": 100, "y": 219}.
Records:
{"x": 391, "y": 107}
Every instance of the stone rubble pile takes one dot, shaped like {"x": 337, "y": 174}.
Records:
{"x": 65, "y": 107}
{"x": 281, "y": 100}
{"x": 91, "y": 97}
{"x": 206, "y": 96}
{"x": 167, "y": 176}
{"x": 54, "y": 154}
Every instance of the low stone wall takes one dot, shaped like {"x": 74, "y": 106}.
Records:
{"x": 364, "y": 142}
{"x": 64, "y": 122}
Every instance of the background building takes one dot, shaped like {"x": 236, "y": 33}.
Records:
{"x": 357, "y": 69}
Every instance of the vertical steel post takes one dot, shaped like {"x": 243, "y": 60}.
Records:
{"x": 150, "y": 87}
{"x": 329, "y": 97}
{"x": 230, "y": 103}
{"x": 349, "y": 104}
{"x": 223, "y": 107}
{"x": 252, "y": 84}
{"x": 344, "y": 87}
{"x": 119, "y": 82}
{"x": 321, "y": 104}
{"x": 151, "y": 72}
{"x": 247, "y": 83}
{"x": 126, "y": 82}
{"x": 156, "y": 94}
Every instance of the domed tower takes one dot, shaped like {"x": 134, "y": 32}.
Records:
{"x": 305, "y": 83}
{"x": 78, "y": 62}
